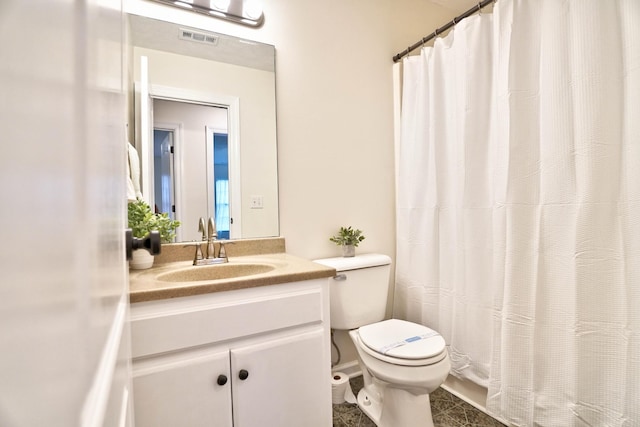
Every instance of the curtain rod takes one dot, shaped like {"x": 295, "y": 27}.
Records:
{"x": 442, "y": 29}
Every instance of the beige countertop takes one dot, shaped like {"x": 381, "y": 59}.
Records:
{"x": 147, "y": 285}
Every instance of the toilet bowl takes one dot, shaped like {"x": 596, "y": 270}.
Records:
{"x": 402, "y": 362}
{"x": 396, "y": 389}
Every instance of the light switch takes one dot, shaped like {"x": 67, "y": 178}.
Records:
{"x": 256, "y": 202}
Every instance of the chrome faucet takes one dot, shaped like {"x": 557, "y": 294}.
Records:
{"x": 209, "y": 235}
{"x": 202, "y": 229}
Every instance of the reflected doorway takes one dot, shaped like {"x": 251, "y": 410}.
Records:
{"x": 191, "y": 165}
{"x": 164, "y": 185}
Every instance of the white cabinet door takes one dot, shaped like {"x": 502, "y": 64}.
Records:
{"x": 285, "y": 386}
{"x": 188, "y": 392}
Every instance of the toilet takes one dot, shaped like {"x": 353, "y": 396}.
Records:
{"x": 402, "y": 362}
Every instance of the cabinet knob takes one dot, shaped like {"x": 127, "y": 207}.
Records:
{"x": 222, "y": 379}
{"x": 244, "y": 374}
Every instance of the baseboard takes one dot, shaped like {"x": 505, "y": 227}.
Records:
{"x": 472, "y": 393}
{"x": 351, "y": 369}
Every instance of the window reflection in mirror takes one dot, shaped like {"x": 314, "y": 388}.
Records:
{"x": 218, "y": 169}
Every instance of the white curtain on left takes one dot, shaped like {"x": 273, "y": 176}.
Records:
{"x": 519, "y": 207}
{"x": 444, "y": 213}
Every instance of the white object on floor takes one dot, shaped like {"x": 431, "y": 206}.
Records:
{"x": 341, "y": 389}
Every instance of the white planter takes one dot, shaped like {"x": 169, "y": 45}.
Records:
{"x": 348, "y": 250}
{"x": 141, "y": 260}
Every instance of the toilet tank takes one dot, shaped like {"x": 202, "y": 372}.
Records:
{"x": 358, "y": 292}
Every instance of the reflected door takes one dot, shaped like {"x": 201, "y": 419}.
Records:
{"x": 163, "y": 168}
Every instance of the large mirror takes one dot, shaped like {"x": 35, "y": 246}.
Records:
{"x": 205, "y": 127}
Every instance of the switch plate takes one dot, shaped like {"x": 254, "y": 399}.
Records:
{"x": 256, "y": 202}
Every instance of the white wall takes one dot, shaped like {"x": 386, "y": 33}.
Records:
{"x": 63, "y": 293}
{"x": 335, "y": 118}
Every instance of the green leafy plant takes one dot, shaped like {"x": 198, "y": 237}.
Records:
{"x": 142, "y": 220}
{"x": 348, "y": 236}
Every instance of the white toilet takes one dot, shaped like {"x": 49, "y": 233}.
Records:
{"x": 402, "y": 362}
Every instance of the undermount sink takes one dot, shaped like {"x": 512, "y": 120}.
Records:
{"x": 214, "y": 272}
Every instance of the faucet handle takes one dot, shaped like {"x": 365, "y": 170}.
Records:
{"x": 222, "y": 253}
{"x": 198, "y": 255}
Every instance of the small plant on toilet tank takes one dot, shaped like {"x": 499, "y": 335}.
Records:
{"x": 348, "y": 238}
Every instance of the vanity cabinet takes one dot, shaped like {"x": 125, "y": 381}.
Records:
{"x": 183, "y": 392}
{"x": 245, "y": 358}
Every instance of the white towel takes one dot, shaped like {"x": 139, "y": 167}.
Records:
{"x": 133, "y": 174}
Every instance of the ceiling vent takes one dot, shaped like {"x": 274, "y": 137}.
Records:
{"x": 195, "y": 36}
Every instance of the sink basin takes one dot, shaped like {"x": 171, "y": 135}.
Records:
{"x": 214, "y": 272}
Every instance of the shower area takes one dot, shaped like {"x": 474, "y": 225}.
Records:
{"x": 518, "y": 205}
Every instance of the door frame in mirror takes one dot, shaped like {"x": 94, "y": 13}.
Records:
{"x": 177, "y": 130}
{"x": 232, "y": 104}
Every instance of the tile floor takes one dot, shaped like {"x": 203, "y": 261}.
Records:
{"x": 447, "y": 411}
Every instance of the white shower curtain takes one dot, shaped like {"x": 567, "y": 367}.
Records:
{"x": 518, "y": 217}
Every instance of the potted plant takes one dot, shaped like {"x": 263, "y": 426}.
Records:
{"x": 141, "y": 221}
{"x": 349, "y": 239}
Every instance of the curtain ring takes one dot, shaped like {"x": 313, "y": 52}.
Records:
{"x": 479, "y": 8}
{"x": 454, "y": 21}
{"x": 435, "y": 33}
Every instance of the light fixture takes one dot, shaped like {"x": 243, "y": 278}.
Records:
{"x": 245, "y": 12}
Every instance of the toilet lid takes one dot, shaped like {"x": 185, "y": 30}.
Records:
{"x": 401, "y": 339}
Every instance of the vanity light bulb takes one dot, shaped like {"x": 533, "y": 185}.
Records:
{"x": 183, "y": 4}
{"x": 252, "y": 9}
{"x": 222, "y": 5}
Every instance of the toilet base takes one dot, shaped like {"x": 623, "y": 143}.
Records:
{"x": 395, "y": 407}
{"x": 369, "y": 407}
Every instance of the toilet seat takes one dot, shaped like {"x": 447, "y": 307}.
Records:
{"x": 402, "y": 343}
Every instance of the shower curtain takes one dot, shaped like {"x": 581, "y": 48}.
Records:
{"x": 518, "y": 207}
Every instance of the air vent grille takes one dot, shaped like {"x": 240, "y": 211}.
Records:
{"x": 197, "y": 37}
